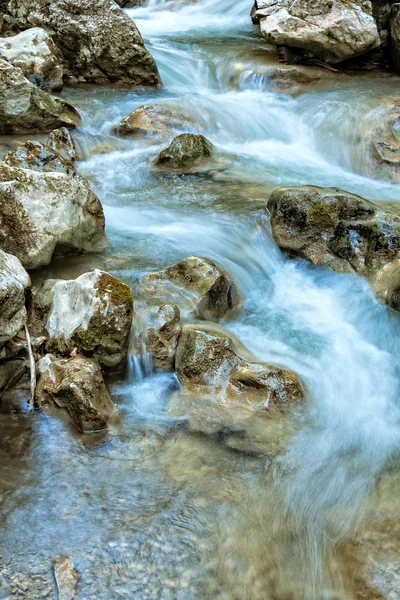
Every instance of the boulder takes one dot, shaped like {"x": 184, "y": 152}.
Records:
{"x": 185, "y": 151}
{"x": 34, "y": 52}
{"x": 336, "y": 229}
{"x": 62, "y": 142}
{"x": 197, "y": 285}
{"x": 330, "y": 30}
{"x": 161, "y": 335}
{"x": 76, "y": 387}
{"x": 24, "y": 108}
{"x": 224, "y": 394}
{"x": 152, "y": 119}
{"x": 395, "y": 35}
{"x": 14, "y": 281}
{"x": 43, "y": 214}
{"x": 378, "y": 142}
{"x": 39, "y": 157}
{"x": 92, "y": 313}
{"x": 99, "y": 43}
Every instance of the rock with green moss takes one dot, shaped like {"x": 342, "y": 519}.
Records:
{"x": 62, "y": 142}
{"x": 34, "y": 52}
{"x": 74, "y": 387}
{"x": 24, "y": 108}
{"x": 225, "y": 392}
{"x": 336, "y": 229}
{"x": 98, "y": 42}
{"x": 46, "y": 214}
{"x": 152, "y": 119}
{"x": 92, "y": 313}
{"x": 14, "y": 282}
{"x": 39, "y": 157}
{"x": 197, "y": 286}
{"x": 186, "y": 151}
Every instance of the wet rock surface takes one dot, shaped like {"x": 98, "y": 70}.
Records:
{"x": 34, "y": 52}
{"x": 74, "y": 386}
{"x": 26, "y": 108}
{"x": 152, "y": 119}
{"x": 205, "y": 290}
{"x": 92, "y": 313}
{"x": 331, "y": 30}
{"x": 14, "y": 281}
{"x": 98, "y": 42}
{"x": 39, "y": 157}
{"x": 341, "y": 231}
{"x": 62, "y": 142}
{"x": 46, "y": 213}
{"x": 186, "y": 151}
{"x": 161, "y": 335}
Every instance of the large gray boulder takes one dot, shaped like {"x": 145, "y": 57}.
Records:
{"x": 75, "y": 387}
{"x": 92, "y": 313}
{"x": 24, "y": 108}
{"x": 339, "y": 230}
{"x": 197, "y": 286}
{"x": 43, "y": 214}
{"x": 34, "y": 52}
{"x": 14, "y": 281}
{"x": 98, "y": 41}
{"x": 331, "y": 30}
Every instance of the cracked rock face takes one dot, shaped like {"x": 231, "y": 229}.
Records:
{"x": 24, "y": 108}
{"x": 330, "y": 30}
{"x": 47, "y": 213}
{"x": 34, "y": 52}
{"x": 14, "y": 280}
{"x": 99, "y": 43}
{"x": 76, "y": 388}
{"x": 92, "y": 313}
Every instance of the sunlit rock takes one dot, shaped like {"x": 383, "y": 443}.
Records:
{"x": 99, "y": 43}
{"x": 14, "y": 281}
{"x": 75, "y": 387}
{"x": 224, "y": 392}
{"x": 26, "y": 108}
{"x": 43, "y": 214}
{"x": 34, "y": 52}
{"x": 197, "y": 286}
{"x": 331, "y": 30}
{"x": 152, "y": 119}
{"x": 185, "y": 151}
{"x": 339, "y": 230}
{"x": 62, "y": 142}
{"x": 92, "y": 313}
{"x": 39, "y": 157}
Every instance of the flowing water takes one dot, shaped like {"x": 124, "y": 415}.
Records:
{"x": 156, "y": 512}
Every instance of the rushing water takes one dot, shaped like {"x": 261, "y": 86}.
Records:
{"x": 153, "y": 511}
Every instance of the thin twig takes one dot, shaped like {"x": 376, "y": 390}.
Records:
{"x": 32, "y": 367}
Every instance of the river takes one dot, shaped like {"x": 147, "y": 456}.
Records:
{"x": 153, "y": 511}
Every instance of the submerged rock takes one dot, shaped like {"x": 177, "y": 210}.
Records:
{"x": 336, "y": 229}
{"x": 47, "y": 213}
{"x": 66, "y": 578}
{"x": 92, "y": 313}
{"x": 26, "y": 108}
{"x": 14, "y": 281}
{"x": 76, "y": 387}
{"x": 38, "y": 157}
{"x": 98, "y": 41}
{"x": 34, "y": 52}
{"x": 185, "y": 151}
{"x": 226, "y": 395}
{"x": 152, "y": 119}
{"x": 62, "y": 142}
{"x": 205, "y": 289}
{"x": 331, "y": 30}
